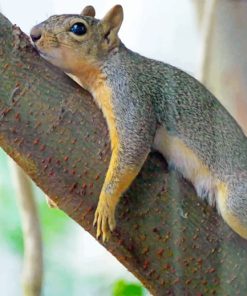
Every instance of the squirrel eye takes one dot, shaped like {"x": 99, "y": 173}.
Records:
{"x": 78, "y": 29}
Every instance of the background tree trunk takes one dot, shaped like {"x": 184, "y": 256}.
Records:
{"x": 32, "y": 273}
{"x": 226, "y": 66}
{"x": 171, "y": 241}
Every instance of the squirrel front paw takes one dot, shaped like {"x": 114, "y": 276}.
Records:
{"x": 104, "y": 218}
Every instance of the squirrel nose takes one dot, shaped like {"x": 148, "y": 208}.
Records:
{"x": 35, "y": 34}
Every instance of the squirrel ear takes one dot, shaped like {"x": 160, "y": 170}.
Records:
{"x": 88, "y": 11}
{"x": 113, "y": 19}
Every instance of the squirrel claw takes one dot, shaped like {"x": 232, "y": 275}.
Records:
{"x": 95, "y": 219}
{"x": 112, "y": 224}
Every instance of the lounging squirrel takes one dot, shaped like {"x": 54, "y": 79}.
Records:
{"x": 148, "y": 105}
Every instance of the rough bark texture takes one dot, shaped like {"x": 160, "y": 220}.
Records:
{"x": 171, "y": 241}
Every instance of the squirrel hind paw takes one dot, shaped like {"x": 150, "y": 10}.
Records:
{"x": 208, "y": 193}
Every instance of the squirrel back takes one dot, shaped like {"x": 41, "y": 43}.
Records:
{"x": 183, "y": 106}
{"x": 149, "y": 104}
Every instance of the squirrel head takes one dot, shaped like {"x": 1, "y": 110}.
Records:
{"x": 72, "y": 42}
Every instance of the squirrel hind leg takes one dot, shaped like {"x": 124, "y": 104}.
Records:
{"x": 219, "y": 194}
{"x": 229, "y": 203}
{"x": 232, "y": 204}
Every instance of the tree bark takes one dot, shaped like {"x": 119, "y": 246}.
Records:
{"x": 174, "y": 243}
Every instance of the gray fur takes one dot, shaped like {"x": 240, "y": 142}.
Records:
{"x": 153, "y": 93}
{"x": 148, "y": 96}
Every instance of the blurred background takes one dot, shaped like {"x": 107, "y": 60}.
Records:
{"x": 207, "y": 39}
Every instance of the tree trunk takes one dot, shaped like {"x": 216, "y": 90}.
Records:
{"x": 167, "y": 237}
{"x": 32, "y": 270}
{"x": 226, "y": 67}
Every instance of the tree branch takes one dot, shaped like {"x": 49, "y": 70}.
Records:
{"x": 165, "y": 236}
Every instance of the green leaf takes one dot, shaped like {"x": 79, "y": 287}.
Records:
{"x": 123, "y": 288}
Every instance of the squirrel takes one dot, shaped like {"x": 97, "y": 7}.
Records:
{"x": 148, "y": 105}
